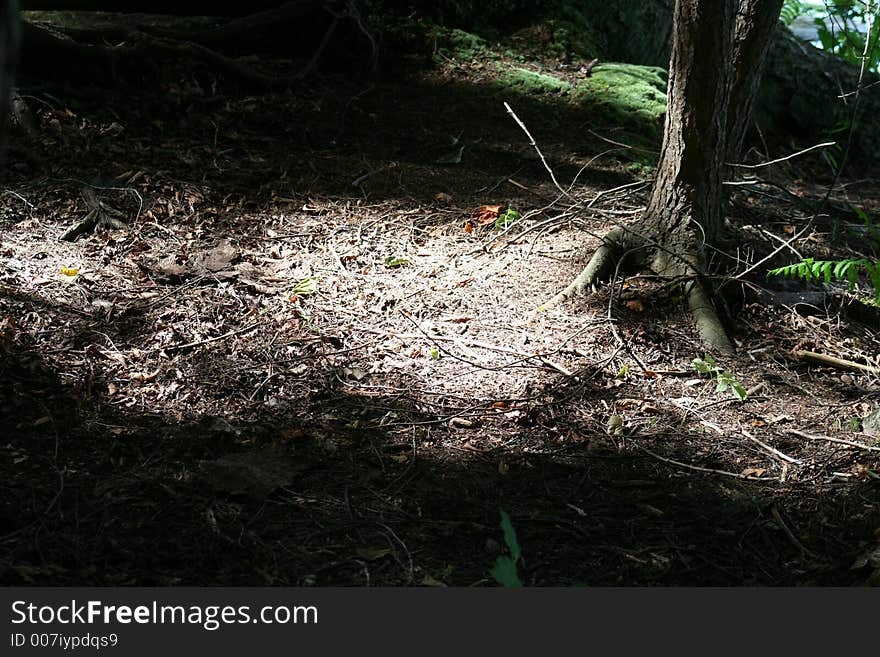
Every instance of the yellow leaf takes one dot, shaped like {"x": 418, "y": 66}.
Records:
{"x": 69, "y": 271}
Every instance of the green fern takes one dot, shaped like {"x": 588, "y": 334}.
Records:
{"x": 847, "y": 270}
{"x": 791, "y": 9}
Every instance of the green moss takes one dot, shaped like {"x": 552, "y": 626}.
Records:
{"x": 633, "y": 95}
{"x": 530, "y": 83}
{"x": 572, "y": 33}
{"x": 458, "y": 44}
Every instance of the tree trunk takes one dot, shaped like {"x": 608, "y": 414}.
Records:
{"x": 715, "y": 59}
{"x": 685, "y": 210}
{"x": 756, "y": 22}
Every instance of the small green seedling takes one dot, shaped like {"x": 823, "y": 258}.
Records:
{"x": 504, "y": 571}
{"x": 394, "y": 261}
{"x": 435, "y": 354}
{"x": 623, "y": 373}
{"x": 506, "y": 218}
{"x": 725, "y": 380}
{"x": 306, "y": 287}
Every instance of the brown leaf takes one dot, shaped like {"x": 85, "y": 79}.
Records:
{"x": 486, "y": 214}
{"x": 753, "y": 472}
{"x": 636, "y": 305}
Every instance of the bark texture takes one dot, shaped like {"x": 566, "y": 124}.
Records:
{"x": 756, "y": 22}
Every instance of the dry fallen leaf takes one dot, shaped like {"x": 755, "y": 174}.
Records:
{"x": 636, "y": 305}
{"x": 486, "y": 214}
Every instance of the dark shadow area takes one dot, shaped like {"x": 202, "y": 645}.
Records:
{"x": 107, "y": 497}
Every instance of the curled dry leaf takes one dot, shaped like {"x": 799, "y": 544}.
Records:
{"x": 486, "y": 214}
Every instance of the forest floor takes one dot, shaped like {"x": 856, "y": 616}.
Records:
{"x": 311, "y": 357}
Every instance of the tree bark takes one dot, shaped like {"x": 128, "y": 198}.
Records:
{"x": 685, "y": 211}
{"x": 756, "y": 22}
{"x": 687, "y": 193}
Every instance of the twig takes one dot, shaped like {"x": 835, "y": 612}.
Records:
{"x": 772, "y": 450}
{"x": 199, "y": 343}
{"x": 537, "y": 149}
{"x": 622, "y": 145}
{"x": 701, "y": 469}
{"x": 477, "y": 344}
{"x": 779, "y": 249}
{"x": 779, "y": 239}
{"x": 831, "y": 361}
{"x": 777, "y": 516}
{"x": 860, "y": 89}
{"x": 540, "y": 195}
{"x": 782, "y": 159}
{"x": 840, "y": 441}
{"x": 357, "y": 182}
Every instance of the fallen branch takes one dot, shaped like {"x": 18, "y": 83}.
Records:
{"x": 831, "y": 361}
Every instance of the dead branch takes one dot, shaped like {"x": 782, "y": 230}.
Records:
{"x": 831, "y": 361}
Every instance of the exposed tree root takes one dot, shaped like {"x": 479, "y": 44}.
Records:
{"x": 599, "y": 267}
{"x": 663, "y": 262}
{"x": 709, "y": 326}
{"x": 100, "y": 214}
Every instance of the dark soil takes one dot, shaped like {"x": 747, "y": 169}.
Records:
{"x": 306, "y": 362}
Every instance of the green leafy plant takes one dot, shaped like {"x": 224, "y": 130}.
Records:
{"x": 725, "y": 380}
{"x": 394, "y": 261}
{"x": 306, "y": 287}
{"x": 825, "y": 271}
{"x": 506, "y": 218}
{"x": 792, "y": 9}
{"x": 504, "y": 571}
{"x": 841, "y": 27}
